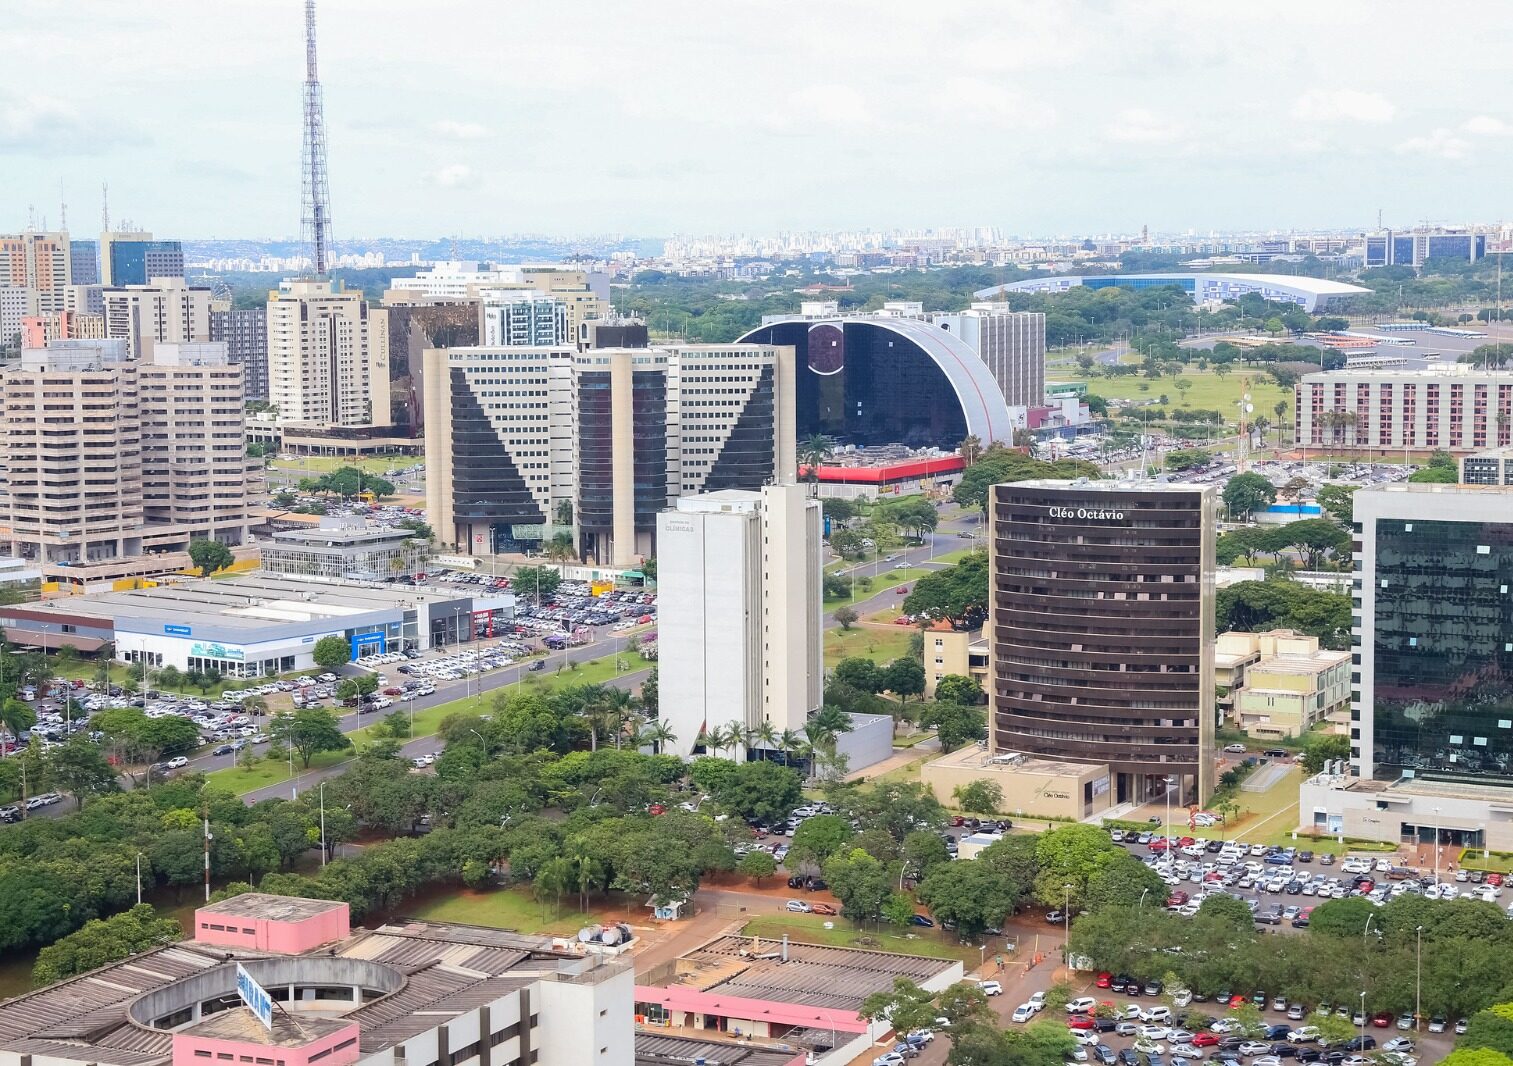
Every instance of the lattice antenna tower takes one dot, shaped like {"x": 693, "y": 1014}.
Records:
{"x": 315, "y": 214}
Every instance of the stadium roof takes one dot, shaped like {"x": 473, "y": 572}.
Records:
{"x": 1203, "y": 285}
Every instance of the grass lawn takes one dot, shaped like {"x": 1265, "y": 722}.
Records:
{"x": 1209, "y": 391}
{"x": 881, "y": 644}
{"x": 885, "y": 579}
{"x": 810, "y": 929}
{"x": 265, "y": 772}
{"x": 324, "y": 464}
{"x": 507, "y": 908}
{"x": 1497, "y": 862}
{"x": 950, "y": 558}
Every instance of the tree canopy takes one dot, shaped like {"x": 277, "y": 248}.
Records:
{"x": 999, "y": 465}
{"x": 1247, "y": 493}
{"x": 957, "y": 594}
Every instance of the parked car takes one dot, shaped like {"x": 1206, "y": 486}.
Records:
{"x": 798, "y": 906}
{"x": 991, "y": 988}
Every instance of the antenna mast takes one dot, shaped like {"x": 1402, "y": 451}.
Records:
{"x": 315, "y": 215}
{"x": 104, "y": 207}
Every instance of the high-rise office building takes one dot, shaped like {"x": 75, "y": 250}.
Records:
{"x": 1011, "y": 343}
{"x": 197, "y": 479}
{"x": 518, "y": 437}
{"x": 71, "y": 453}
{"x": 525, "y": 319}
{"x": 134, "y": 258}
{"x": 1101, "y": 631}
{"x": 168, "y": 310}
{"x": 1415, "y": 247}
{"x": 244, "y": 331}
{"x": 38, "y": 261}
{"x": 328, "y": 356}
{"x": 106, "y": 458}
{"x": 17, "y": 303}
{"x": 84, "y": 262}
{"x": 739, "y": 595}
{"x": 1431, "y": 752}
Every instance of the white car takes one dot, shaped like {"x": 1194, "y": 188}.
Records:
{"x": 1186, "y": 1051}
{"x": 1081, "y": 1005}
{"x": 1154, "y": 1032}
{"x": 891, "y": 1058}
{"x": 1303, "y": 1035}
{"x": 992, "y": 988}
{"x": 1024, "y": 1012}
{"x": 1254, "y": 1047}
{"x": 798, "y": 906}
{"x": 1037, "y": 1000}
{"x": 177, "y": 762}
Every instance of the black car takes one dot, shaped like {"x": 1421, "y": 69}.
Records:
{"x": 1277, "y": 1032}
{"x": 1120, "y": 982}
{"x": 1104, "y": 1054}
{"x": 1259, "y": 999}
{"x": 224, "y": 749}
{"x": 1284, "y": 1050}
{"x": 1214, "y": 845}
{"x": 1309, "y": 1053}
{"x": 1305, "y": 856}
{"x": 1230, "y": 1043}
{"x": 1104, "y": 1025}
{"x": 1359, "y": 1043}
{"x": 795, "y": 881}
{"x": 815, "y": 884}
{"x": 1129, "y": 1057}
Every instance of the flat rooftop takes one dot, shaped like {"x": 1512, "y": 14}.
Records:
{"x": 250, "y": 601}
{"x": 973, "y": 757}
{"x": 273, "y": 908}
{"x": 1117, "y": 485}
{"x": 814, "y": 975}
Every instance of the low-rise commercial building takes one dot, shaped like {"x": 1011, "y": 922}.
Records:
{"x": 280, "y": 981}
{"x": 1291, "y": 686}
{"x": 255, "y": 625}
{"x": 954, "y": 652}
{"x": 1491, "y": 467}
{"x": 1051, "y": 788}
{"x": 342, "y": 548}
{"x": 805, "y": 995}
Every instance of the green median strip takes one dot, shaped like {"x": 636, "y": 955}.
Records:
{"x": 264, "y": 772}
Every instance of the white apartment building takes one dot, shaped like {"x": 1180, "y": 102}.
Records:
{"x": 328, "y": 356}
{"x": 17, "y": 303}
{"x": 197, "y": 479}
{"x": 524, "y": 319}
{"x": 585, "y": 295}
{"x": 1010, "y": 343}
{"x": 739, "y": 611}
{"x": 513, "y": 434}
{"x": 71, "y": 453}
{"x": 168, "y": 310}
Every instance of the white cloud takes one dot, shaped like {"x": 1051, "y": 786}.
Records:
{"x": 1486, "y": 126}
{"x": 1343, "y": 105}
{"x": 32, "y": 123}
{"x": 462, "y": 131}
{"x": 1441, "y": 144}
{"x": 1137, "y": 125}
{"x": 454, "y": 176}
{"x": 827, "y": 106}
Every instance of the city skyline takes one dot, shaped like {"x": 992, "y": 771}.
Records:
{"x": 787, "y": 118}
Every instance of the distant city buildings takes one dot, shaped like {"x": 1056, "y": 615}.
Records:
{"x": 37, "y": 261}
{"x": 526, "y": 319}
{"x": 583, "y": 294}
{"x": 1458, "y": 408}
{"x": 520, "y": 440}
{"x": 1415, "y": 247}
{"x": 84, "y": 262}
{"x": 739, "y": 594}
{"x": 328, "y": 356}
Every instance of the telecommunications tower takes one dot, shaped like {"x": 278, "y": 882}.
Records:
{"x": 315, "y": 212}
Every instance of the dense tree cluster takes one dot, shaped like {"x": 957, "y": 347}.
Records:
{"x": 1257, "y": 606}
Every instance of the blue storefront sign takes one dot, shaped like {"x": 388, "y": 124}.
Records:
{"x": 255, "y": 996}
{"x": 178, "y": 631}
{"x": 363, "y": 643}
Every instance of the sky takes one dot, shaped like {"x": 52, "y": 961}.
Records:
{"x": 574, "y": 117}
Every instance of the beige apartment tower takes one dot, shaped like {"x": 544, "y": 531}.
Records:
{"x": 166, "y": 311}
{"x": 328, "y": 356}
{"x": 71, "y": 454}
{"x": 38, "y": 261}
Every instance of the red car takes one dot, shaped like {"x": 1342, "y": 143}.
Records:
{"x": 1176, "y": 899}
{"x": 1236, "y": 1002}
{"x": 1494, "y": 879}
{"x": 1159, "y": 844}
{"x": 1104, "y": 980}
{"x": 1365, "y": 887}
{"x": 1081, "y": 1021}
{"x": 1382, "y": 1019}
{"x": 958, "y": 820}
{"x": 1186, "y": 842}
{"x": 1205, "y": 1039}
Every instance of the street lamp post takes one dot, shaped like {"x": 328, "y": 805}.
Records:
{"x": 1143, "y": 891}
{"x": 1171, "y": 783}
{"x": 1418, "y": 978}
{"x": 1436, "y": 844}
{"x": 139, "y": 878}
{"x": 1361, "y": 1043}
{"x": 323, "y": 823}
{"x": 1066, "y": 918}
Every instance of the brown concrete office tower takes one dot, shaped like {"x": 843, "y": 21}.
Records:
{"x": 1101, "y": 629}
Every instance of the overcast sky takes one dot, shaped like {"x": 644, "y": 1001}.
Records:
{"x": 488, "y": 117}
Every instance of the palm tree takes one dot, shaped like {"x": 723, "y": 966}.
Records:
{"x": 788, "y": 742}
{"x": 971, "y": 448}
{"x": 619, "y": 705}
{"x": 832, "y": 719}
{"x": 812, "y": 455}
{"x": 656, "y": 733}
{"x": 736, "y": 734}
{"x": 763, "y": 736}
{"x": 1281, "y": 412}
{"x": 715, "y": 739}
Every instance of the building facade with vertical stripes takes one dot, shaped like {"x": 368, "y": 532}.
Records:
{"x": 1455, "y": 408}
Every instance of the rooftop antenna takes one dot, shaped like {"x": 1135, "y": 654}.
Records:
{"x": 315, "y": 216}
{"x": 62, "y": 208}
{"x": 31, "y": 216}
{"x": 104, "y": 207}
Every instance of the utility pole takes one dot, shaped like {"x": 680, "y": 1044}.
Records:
{"x": 207, "y": 854}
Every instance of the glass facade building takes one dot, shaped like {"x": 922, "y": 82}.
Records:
{"x": 1434, "y": 659}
